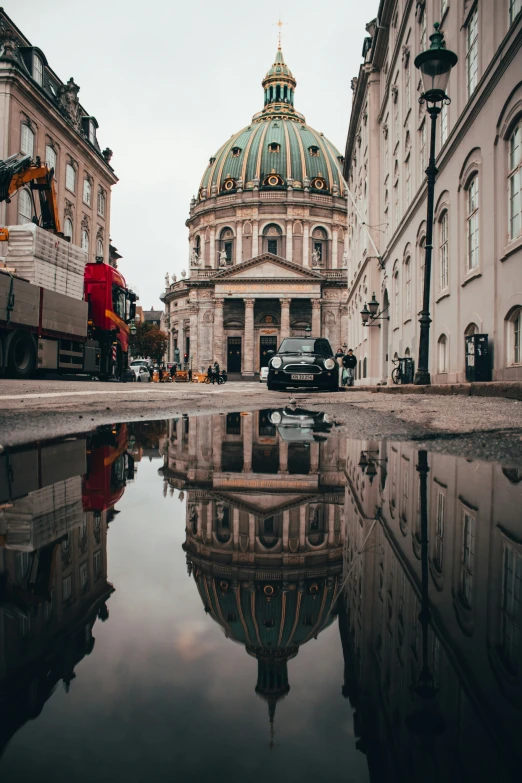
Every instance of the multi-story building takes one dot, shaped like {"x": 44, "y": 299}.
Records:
{"x": 267, "y": 241}
{"x": 476, "y": 279}
{"x": 42, "y": 117}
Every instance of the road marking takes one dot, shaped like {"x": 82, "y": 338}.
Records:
{"x": 105, "y": 392}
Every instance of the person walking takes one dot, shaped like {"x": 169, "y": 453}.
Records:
{"x": 210, "y": 373}
{"x": 349, "y": 364}
{"x": 339, "y": 359}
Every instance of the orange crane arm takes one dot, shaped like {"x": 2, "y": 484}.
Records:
{"x": 18, "y": 171}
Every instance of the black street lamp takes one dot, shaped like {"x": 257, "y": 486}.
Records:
{"x": 435, "y": 65}
{"x": 370, "y": 313}
{"x": 367, "y": 463}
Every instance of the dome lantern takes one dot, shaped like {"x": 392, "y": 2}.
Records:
{"x": 279, "y": 84}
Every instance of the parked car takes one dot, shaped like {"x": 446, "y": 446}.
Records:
{"x": 140, "y": 362}
{"x": 128, "y": 376}
{"x": 263, "y": 374}
{"x": 298, "y": 425}
{"x": 303, "y": 362}
{"x": 141, "y": 372}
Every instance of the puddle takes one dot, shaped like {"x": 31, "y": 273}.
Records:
{"x": 254, "y": 596}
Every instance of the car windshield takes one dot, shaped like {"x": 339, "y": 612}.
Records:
{"x": 305, "y": 345}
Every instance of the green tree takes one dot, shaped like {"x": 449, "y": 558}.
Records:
{"x": 149, "y": 341}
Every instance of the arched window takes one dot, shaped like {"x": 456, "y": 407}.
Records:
{"x": 87, "y": 190}
{"x": 70, "y": 177}
{"x": 471, "y": 330}
{"x": 85, "y": 240}
{"x": 407, "y": 287}
{"x": 396, "y": 299}
{"x": 101, "y": 202}
{"x": 197, "y": 245}
{"x": 443, "y": 251}
{"x": 226, "y": 248}
{"x": 319, "y": 237}
{"x": 37, "y": 70}
{"x": 515, "y": 182}
{"x": 473, "y": 234}
{"x": 443, "y": 353}
{"x": 68, "y": 228}
{"x": 99, "y": 247}
{"x": 50, "y": 157}
{"x": 514, "y": 337}
{"x": 25, "y": 207}
{"x": 272, "y": 240}
{"x": 27, "y": 140}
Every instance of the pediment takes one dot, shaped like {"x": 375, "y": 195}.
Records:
{"x": 268, "y": 266}
{"x": 264, "y": 505}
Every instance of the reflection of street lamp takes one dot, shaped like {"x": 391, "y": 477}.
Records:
{"x": 435, "y": 65}
{"x": 425, "y": 720}
{"x": 367, "y": 463}
{"x": 133, "y": 329}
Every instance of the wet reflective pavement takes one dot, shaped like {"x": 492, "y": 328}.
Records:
{"x": 251, "y": 596}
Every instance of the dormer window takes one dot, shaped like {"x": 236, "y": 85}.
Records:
{"x": 89, "y": 126}
{"x": 314, "y": 151}
{"x": 340, "y": 158}
{"x": 229, "y": 184}
{"x": 318, "y": 183}
{"x": 274, "y": 147}
{"x": 273, "y": 180}
{"x": 211, "y": 161}
{"x": 37, "y": 70}
{"x": 92, "y": 132}
{"x": 236, "y": 152}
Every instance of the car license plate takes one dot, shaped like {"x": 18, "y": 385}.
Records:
{"x": 302, "y": 377}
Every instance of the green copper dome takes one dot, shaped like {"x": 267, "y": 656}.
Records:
{"x": 278, "y": 150}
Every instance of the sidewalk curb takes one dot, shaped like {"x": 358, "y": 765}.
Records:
{"x": 511, "y": 390}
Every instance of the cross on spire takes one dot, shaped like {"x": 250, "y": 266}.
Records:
{"x": 279, "y": 24}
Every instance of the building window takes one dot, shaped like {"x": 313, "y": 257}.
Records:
{"x": 407, "y": 175}
{"x": 66, "y": 588}
{"x": 70, "y": 178}
{"x": 97, "y": 564}
{"x": 423, "y": 38}
{"x": 85, "y": 240}
{"x": 472, "y": 52}
{"x": 25, "y": 207}
{"x": 443, "y": 123}
{"x": 37, "y": 70}
{"x": 87, "y": 191}
{"x": 438, "y": 555}
{"x": 468, "y": 554}
{"x": 50, "y": 157}
{"x": 92, "y": 132}
{"x": 22, "y": 563}
{"x": 407, "y": 287}
{"x": 511, "y": 621}
{"x": 515, "y": 337}
{"x": 407, "y": 86}
{"x": 396, "y": 296}
{"x": 68, "y": 228}
{"x": 515, "y": 182}
{"x": 514, "y": 9}
{"x": 236, "y": 152}
{"x": 396, "y": 203}
{"x": 27, "y": 141}
{"x": 84, "y": 577}
{"x": 101, "y": 203}
{"x": 274, "y": 147}
{"x": 443, "y": 353}
{"x": 314, "y": 151}
{"x": 272, "y": 246}
{"x": 444, "y": 281}
{"x": 473, "y": 224}
{"x": 422, "y": 148}
{"x": 99, "y": 248}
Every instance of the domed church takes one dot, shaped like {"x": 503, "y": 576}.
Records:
{"x": 267, "y": 242}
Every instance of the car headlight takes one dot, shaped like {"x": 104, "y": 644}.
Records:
{"x": 329, "y": 364}
{"x": 326, "y": 418}
{"x": 275, "y": 416}
{"x": 277, "y": 362}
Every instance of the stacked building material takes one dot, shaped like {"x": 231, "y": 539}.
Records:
{"x": 46, "y": 260}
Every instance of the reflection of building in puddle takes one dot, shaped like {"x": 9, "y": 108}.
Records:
{"x": 264, "y": 533}
{"x": 471, "y": 645}
{"x": 56, "y": 503}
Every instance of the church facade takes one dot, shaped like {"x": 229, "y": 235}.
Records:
{"x": 267, "y": 242}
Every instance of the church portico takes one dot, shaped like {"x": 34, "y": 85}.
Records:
{"x": 267, "y": 241}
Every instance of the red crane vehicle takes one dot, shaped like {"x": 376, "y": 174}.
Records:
{"x": 58, "y": 312}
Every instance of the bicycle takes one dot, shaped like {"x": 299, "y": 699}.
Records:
{"x": 397, "y": 375}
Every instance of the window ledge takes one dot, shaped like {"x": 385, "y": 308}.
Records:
{"x": 442, "y": 295}
{"x": 70, "y": 191}
{"x": 396, "y": 328}
{"x": 511, "y": 247}
{"x": 471, "y": 276}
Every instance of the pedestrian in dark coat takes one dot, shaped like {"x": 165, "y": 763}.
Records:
{"x": 349, "y": 364}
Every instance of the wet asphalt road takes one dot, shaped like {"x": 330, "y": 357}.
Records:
{"x": 481, "y": 428}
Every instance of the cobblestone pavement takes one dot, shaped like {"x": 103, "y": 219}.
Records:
{"x": 488, "y": 428}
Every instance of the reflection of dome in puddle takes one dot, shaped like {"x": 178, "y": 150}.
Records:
{"x": 269, "y": 578}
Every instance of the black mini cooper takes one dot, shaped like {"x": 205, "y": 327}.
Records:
{"x": 304, "y": 362}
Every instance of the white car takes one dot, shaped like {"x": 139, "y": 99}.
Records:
{"x": 141, "y": 371}
{"x": 263, "y": 375}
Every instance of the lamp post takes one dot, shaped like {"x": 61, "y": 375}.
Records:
{"x": 370, "y": 313}
{"x": 435, "y": 65}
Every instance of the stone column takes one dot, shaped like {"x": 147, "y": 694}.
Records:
{"x": 194, "y": 347}
{"x": 316, "y": 318}
{"x": 218, "y": 331}
{"x": 314, "y": 457}
{"x": 285, "y": 318}
{"x": 217, "y": 438}
{"x": 286, "y": 528}
{"x": 239, "y": 243}
{"x": 251, "y": 532}
{"x": 335, "y": 245}
{"x": 289, "y": 238}
{"x": 255, "y": 238}
{"x": 212, "y": 257}
{"x": 248, "y": 424}
{"x": 306, "y": 242}
{"x": 235, "y": 527}
{"x": 248, "y": 360}
{"x": 303, "y": 514}
{"x": 171, "y": 345}
{"x": 283, "y": 456}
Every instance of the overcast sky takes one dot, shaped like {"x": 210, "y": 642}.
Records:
{"x": 169, "y": 82}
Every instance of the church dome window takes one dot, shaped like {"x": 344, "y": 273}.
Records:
{"x": 236, "y": 152}
{"x": 273, "y": 180}
{"x": 229, "y": 184}
{"x": 274, "y": 147}
{"x": 211, "y": 161}
{"x": 314, "y": 151}
{"x": 319, "y": 183}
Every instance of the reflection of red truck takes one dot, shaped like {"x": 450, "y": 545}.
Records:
{"x": 109, "y": 466}
{"x": 57, "y": 312}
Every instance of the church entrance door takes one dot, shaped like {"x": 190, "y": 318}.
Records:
{"x": 234, "y": 354}
{"x": 266, "y": 344}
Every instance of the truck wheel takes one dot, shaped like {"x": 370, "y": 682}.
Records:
{"x": 21, "y": 362}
